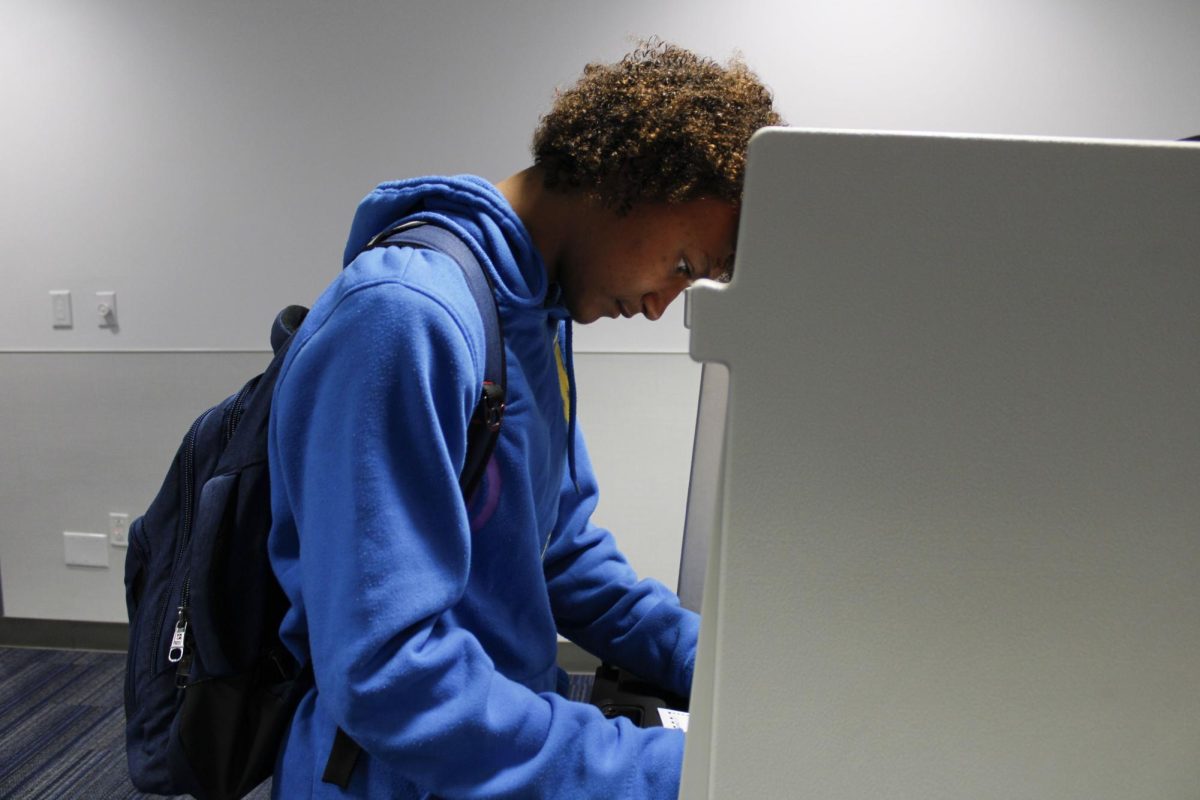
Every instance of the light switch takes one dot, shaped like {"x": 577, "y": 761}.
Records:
{"x": 118, "y": 529}
{"x": 106, "y": 308}
{"x": 60, "y": 307}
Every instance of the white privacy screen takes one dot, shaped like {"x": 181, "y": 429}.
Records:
{"x": 956, "y": 553}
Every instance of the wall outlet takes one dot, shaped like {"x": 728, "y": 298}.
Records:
{"x": 85, "y": 549}
{"x": 118, "y": 529}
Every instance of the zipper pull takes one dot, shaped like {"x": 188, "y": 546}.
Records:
{"x": 175, "y": 654}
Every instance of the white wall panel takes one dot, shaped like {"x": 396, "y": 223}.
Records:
{"x": 84, "y": 435}
{"x": 639, "y": 413}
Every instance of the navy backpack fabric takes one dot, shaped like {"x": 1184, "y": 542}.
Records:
{"x": 197, "y": 560}
{"x": 209, "y": 688}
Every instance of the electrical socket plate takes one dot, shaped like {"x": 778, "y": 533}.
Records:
{"x": 85, "y": 549}
{"x": 118, "y": 529}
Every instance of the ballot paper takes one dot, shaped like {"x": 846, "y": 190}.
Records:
{"x": 674, "y": 719}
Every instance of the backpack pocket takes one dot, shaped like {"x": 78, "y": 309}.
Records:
{"x": 150, "y": 695}
{"x": 236, "y": 601}
{"x": 137, "y": 561}
{"x": 215, "y": 607}
{"x": 146, "y": 602}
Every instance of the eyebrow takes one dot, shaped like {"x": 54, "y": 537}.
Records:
{"x": 725, "y": 266}
{"x": 723, "y": 271}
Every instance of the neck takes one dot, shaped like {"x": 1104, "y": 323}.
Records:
{"x": 545, "y": 213}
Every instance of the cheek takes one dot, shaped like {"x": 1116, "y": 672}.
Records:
{"x": 579, "y": 301}
{"x": 595, "y": 276}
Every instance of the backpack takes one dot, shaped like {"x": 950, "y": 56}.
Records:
{"x": 209, "y": 687}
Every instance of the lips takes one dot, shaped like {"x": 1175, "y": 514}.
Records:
{"x": 624, "y": 311}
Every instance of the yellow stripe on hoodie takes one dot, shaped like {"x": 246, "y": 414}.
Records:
{"x": 564, "y": 383}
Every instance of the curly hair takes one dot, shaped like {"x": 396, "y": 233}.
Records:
{"x": 661, "y": 125}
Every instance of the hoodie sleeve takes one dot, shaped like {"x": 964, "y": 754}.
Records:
{"x": 600, "y": 604}
{"x": 369, "y": 436}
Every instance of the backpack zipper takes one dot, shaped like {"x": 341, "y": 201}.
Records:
{"x": 235, "y": 409}
{"x": 179, "y": 638}
{"x": 178, "y": 652}
{"x": 188, "y": 467}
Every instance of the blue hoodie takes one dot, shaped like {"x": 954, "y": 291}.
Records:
{"x": 430, "y": 625}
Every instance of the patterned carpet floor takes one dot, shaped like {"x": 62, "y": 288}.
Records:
{"x": 62, "y": 726}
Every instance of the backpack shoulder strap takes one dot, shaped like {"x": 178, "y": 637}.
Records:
{"x": 286, "y": 323}
{"x": 485, "y": 423}
{"x": 430, "y": 236}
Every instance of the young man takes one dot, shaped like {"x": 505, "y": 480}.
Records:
{"x": 431, "y": 622}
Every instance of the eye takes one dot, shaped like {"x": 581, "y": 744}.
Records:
{"x": 684, "y": 268}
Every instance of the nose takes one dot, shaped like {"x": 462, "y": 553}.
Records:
{"x": 655, "y": 303}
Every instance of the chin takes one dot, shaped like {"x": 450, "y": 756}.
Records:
{"x": 584, "y": 316}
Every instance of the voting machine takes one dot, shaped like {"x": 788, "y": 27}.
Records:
{"x": 955, "y": 540}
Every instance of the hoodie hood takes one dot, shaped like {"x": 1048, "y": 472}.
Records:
{"x": 474, "y": 207}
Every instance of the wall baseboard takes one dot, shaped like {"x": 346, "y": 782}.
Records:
{"x": 60, "y": 634}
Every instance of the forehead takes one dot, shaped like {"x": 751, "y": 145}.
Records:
{"x": 705, "y": 223}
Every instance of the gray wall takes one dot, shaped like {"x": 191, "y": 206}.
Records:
{"x": 203, "y": 160}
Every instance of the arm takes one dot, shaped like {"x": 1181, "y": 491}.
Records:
{"x": 370, "y": 436}
{"x": 599, "y": 602}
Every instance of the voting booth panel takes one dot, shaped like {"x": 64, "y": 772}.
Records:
{"x": 957, "y": 545}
